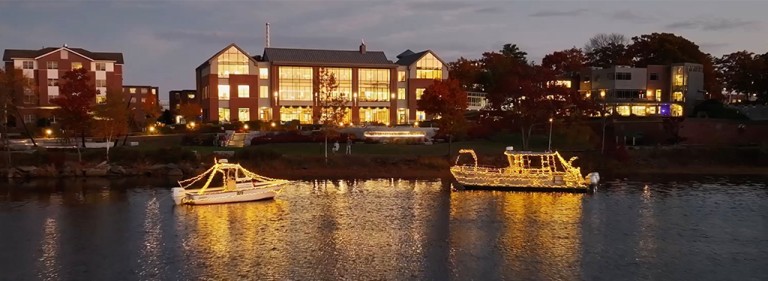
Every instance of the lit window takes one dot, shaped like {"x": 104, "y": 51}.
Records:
{"x": 677, "y": 110}
{"x": 295, "y": 84}
{"x": 101, "y": 66}
{"x": 144, "y": 90}
{"x": 77, "y": 65}
{"x": 265, "y": 114}
{"x": 264, "y": 92}
{"x": 401, "y": 93}
{"x": 101, "y": 83}
{"x": 343, "y": 77}
{"x": 143, "y": 100}
{"x": 232, "y": 61}
{"x": 263, "y": 73}
{"x": 28, "y": 64}
{"x": 401, "y": 76}
{"x": 53, "y": 82}
{"x": 638, "y": 110}
{"x": 154, "y": 91}
{"x": 244, "y": 114}
{"x": 303, "y": 114}
{"x": 374, "y": 115}
{"x": 374, "y": 84}
{"x": 223, "y": 114}
{"x": 223, "y": 92}
{"x": 677, "y": 96}
{"x": 421, "y": 115}
{"x": 402, "y": 116}
{"x": 243, "y": 91}
{"x": 658, "y": 94}
{"x": 132, "y": 90}
{"x": 52, "y": 65}
{"x": 623, "y": 110}
{"x": 419, "y": 93}
{"x": 429, "y": 67}
{"x": 101, "y": 99}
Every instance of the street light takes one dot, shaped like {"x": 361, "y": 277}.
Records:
{"x": 48, "y": 133}
{"x": 245, "y": 126}
{"x": 550, "y": 134}
{"x": 151, "y": 129}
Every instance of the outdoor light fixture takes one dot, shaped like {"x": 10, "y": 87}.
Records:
{"x": 245, "y": 126}
{"x": 152, "y": 129}
{"x": 48, "y": 132}
{"x": 416, "y": 124}
{"x": 192, "y": 124}
{"x": 273, "y": 124}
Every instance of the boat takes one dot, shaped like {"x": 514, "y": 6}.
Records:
{"x": 527, "y": 171}
{"x": 238, "y": 185}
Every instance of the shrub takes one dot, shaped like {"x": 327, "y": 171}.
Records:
{"x": 173, "y": 154}
{"x": 257, "y": 154}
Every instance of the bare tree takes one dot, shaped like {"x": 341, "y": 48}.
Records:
{"x": 603, "y": 40}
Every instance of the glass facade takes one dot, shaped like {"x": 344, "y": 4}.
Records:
{"x": 429, "y": 67}
{"x": 303, "y": 114}
{"x": 343, "y": 78}
{"x": 374, "y": 84}
{"x": 232, "y": 61}
{"x": 295, "y": 84}
{"x": 374, "y": 115}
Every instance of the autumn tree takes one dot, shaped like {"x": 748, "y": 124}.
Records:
{"x": 15, "y": 88}
{"x": 605, "y": 50}
{"x": 566, "y": 63}
{"x": 466, "y": 72}
{"x": 189, "y": 111}
{"x": 111, "y": 119}
{"x": 76, "y": 98}
{"x": 331, "y": 103}
{"x": 448, "y": 101}
{"x": 149, "y": 109}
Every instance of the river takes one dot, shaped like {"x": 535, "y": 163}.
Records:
{"x": 711, "y": 228}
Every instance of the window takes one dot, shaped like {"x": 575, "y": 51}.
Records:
{"x": 658, "y": 94}
{"x": 375, "y": 115}
{"x": 623, "y": 76}
{"x": 244, "y": 114}
{"x": 29, "y": 118}
{"x": 677, "y": 110}
{"x": 205, "y": 92}
{"x": 77, "y": 65}
{"x": 243, "y": 91}
{"x": 265, "y": 114}
{"x": 101, "y": 66}
{"x": 143, "y": 100}
{"x": 343, "y": 78}
{"x": 401, "y": 93}
{"x": 53, "y": 82}
{"x": 101, "y": 99}
{"x": 190, "y": 96}
{"x": 263, "y": 73}
{"x": 419, "y": 93}
{"x": 654, "y": 77}
{"x": 678, "y": 77}
{"x": 28, "y": 64}
{"x": 295, "y": 83}
{"x": 402, "y": 116}
{"x": 623, "y": 110}
{"x": 303, "y": 114}
{"x": 401, "y": 76}
{"x": 639, "y": 110}
{"x": 264, "y": 92}
{"x": 374, "y": 84}
{"x": 677, "y": 96}
{"x": 223, "y": 114}
{"x": 627, "y": 94}
{"x": 144, "y": 90}
{"x": 429, "y": 67}
{"x": 132, "y": 90}
{"x": 29, "y": 96}
{"x": 421, "y": 115}
{"x": 223, "y": 92}
{"x": 101, "y": 83}
{"x": 232, "y": 61}
{"x": 154, "y": 91}
{"x": 52, "y": 65}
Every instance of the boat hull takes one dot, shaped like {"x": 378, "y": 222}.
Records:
{"x": 529, "y": 188}
{"x": 498, "y": 179}
{"x": 220, "y": 197}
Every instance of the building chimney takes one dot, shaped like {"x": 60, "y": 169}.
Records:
{"x": 362, "y": 46}
{"x": 267, "y": 46}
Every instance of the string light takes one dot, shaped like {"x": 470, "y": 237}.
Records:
{"x": 554, "y": 171}
{"x": 255, "y": 181}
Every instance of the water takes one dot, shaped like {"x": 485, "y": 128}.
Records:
{"x": 680, "y": 229}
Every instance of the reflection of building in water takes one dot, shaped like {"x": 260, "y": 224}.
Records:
{"x": 538, "y": 234}
{"x": 48, "y": 267}
{"x": 150, "y": 252}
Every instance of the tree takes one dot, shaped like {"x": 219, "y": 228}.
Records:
{"x": 447, "y": 100}
{"x": 332, "y": 104}
{"x": 567, "y": 63}
{"x": 75, "y": 100}
{"x": 668, "y": 48}
{"x": 741, "y": 72}
{"x": 150, "y": 110}
{"x": 190, "y": 111}
{"x": 514, "y": 52}
{"x": 15, "y": 87}
{"x": 111, "y": 119}
{"x": 467, "y": 72}
{"x": 604, "y": 50}
{"x": 166, "y": 117}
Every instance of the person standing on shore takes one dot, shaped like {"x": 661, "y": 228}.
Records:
{"x": 349, "y": 145}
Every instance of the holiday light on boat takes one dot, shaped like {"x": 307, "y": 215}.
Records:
{"x": 239, "y": 185}
{"x": 535, "y": 171}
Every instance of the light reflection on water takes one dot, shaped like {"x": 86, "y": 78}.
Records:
{"x": 389, "y": 229}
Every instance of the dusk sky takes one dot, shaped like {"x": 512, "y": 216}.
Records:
{"x": 164, "y": 41}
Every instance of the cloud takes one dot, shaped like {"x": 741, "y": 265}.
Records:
{"x": 711, "y": 24}
{"x": 490, "y": 10}
{"x": 553, "y": 13}
{"x": 630, "y": 16}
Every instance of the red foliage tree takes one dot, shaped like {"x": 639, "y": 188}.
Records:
{"x": 447, "y": 100}
{"x": 76, "y": 97}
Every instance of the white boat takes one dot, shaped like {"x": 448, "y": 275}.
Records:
{"x": 238, "y": 185}
{"x": 528, "y": 171}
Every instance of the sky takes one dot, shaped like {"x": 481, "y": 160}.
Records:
{"x": 164, "y": 41}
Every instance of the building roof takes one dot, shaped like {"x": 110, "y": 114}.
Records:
{"x": 32, "y": 54}
{"x": 408, "y": 57}
{"x": 207, "y": 62}
{"x": 284, "y": 55}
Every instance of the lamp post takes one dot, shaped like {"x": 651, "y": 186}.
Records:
{"x": 602, "y": 146}
{"x": 550, "y": 134}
